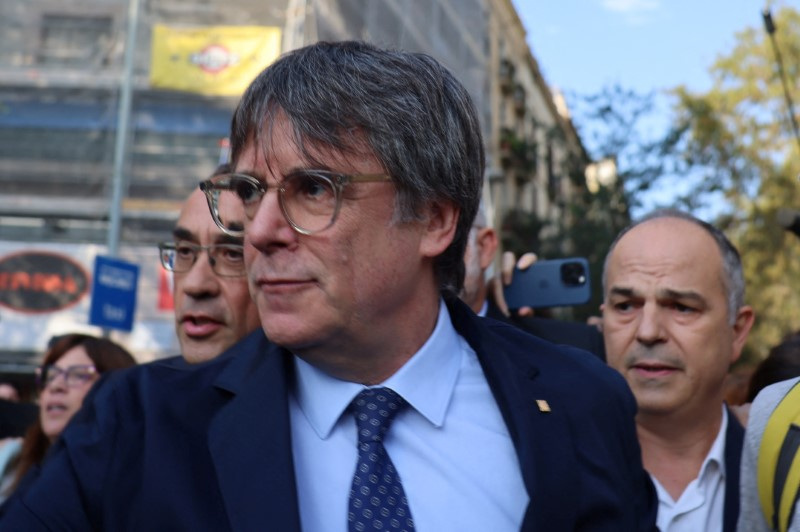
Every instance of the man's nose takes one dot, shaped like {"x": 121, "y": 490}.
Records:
{"x": 269, "y": 227}
{"x": 650, "y": 329}
{"x": 200, "y": 279}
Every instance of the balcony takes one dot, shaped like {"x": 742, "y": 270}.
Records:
{"x": 518, "y": 96}
{"x": 506, "y": 74}
{"x": 518, "y": 154}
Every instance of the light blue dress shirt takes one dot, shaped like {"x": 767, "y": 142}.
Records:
{"x": 451, "y": 446}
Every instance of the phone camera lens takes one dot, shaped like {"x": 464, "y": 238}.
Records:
{"x": 573, "y": 274}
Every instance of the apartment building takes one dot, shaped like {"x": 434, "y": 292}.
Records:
{"x": 63, "y": 111}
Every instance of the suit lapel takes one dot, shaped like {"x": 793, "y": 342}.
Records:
{"x": 734, "y": 440}
{"x": 542, "y": 439}
{"x": 494, "y": 312}
{"x": 249, "y": 439}
{"x": 250, "y": 444}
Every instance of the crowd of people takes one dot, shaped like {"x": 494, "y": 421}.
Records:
{"x": 344, "y": 365}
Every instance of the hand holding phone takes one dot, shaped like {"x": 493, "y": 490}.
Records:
{"x": 550, "y": 283}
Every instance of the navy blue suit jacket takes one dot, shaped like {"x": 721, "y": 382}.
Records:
{"x": 734, "y": 440}
{"x": 158, "y": 447}
{"x": 571, "y": 333}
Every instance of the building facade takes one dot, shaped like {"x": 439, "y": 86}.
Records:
{"x": 62, "y": 66}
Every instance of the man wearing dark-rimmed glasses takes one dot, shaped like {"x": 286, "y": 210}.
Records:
{"x": 359, "y": 172}
{"x": 213, "y": 308}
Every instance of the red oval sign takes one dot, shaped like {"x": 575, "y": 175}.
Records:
{"x": 41, "y": 281}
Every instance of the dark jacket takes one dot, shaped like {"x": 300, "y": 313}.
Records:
{"x": 159, "y": 447}
{"x": 734, "y": 441}
{"x": 559, "y": 332}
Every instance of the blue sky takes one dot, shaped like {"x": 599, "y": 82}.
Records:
{"x": 645, "y": 45}
{"x": 583, "y": 45}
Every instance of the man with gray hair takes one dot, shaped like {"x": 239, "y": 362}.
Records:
{"x": 380, "y": 401}
{"x": 674, "y": 320}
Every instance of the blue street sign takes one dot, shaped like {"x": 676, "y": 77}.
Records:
{"x": 113, "y": 293}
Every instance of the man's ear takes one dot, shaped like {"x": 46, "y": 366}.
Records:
{"x": 486, "y": 242}
{"x": 745, "y": 317}
{"x": 440, "y": 228}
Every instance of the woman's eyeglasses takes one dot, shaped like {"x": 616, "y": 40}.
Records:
{"x": 74, "y": 376}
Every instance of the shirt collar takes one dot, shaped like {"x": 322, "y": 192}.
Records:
{"x": 426, "y": 381}
{"x": 716, "y": 455}
{"x": 713, "y": 466}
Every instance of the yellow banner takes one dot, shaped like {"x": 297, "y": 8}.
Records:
{"x": 214, "y": 60}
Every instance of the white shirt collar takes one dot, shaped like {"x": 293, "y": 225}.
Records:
{"x": 716, "y": 455}
{"x": 712, "y": 468}
{"x": 426, "y": 381}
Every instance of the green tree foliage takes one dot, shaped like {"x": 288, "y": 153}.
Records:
{"x": 739, "y": 156}
{"x": 520, "y": 231}
{"x": 616, "y": 124}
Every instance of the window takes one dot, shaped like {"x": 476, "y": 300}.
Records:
{"x": 553, "y": 190}
{"x": 70, "y": 40}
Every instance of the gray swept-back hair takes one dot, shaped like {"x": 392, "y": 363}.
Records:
{"x": 413, "y": 114}
{"x": 732, "y": 275}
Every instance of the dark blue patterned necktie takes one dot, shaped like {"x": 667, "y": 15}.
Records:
{"x": 377, "y": 499}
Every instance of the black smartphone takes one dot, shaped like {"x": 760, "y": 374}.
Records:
{"x": 550, "y": 283}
